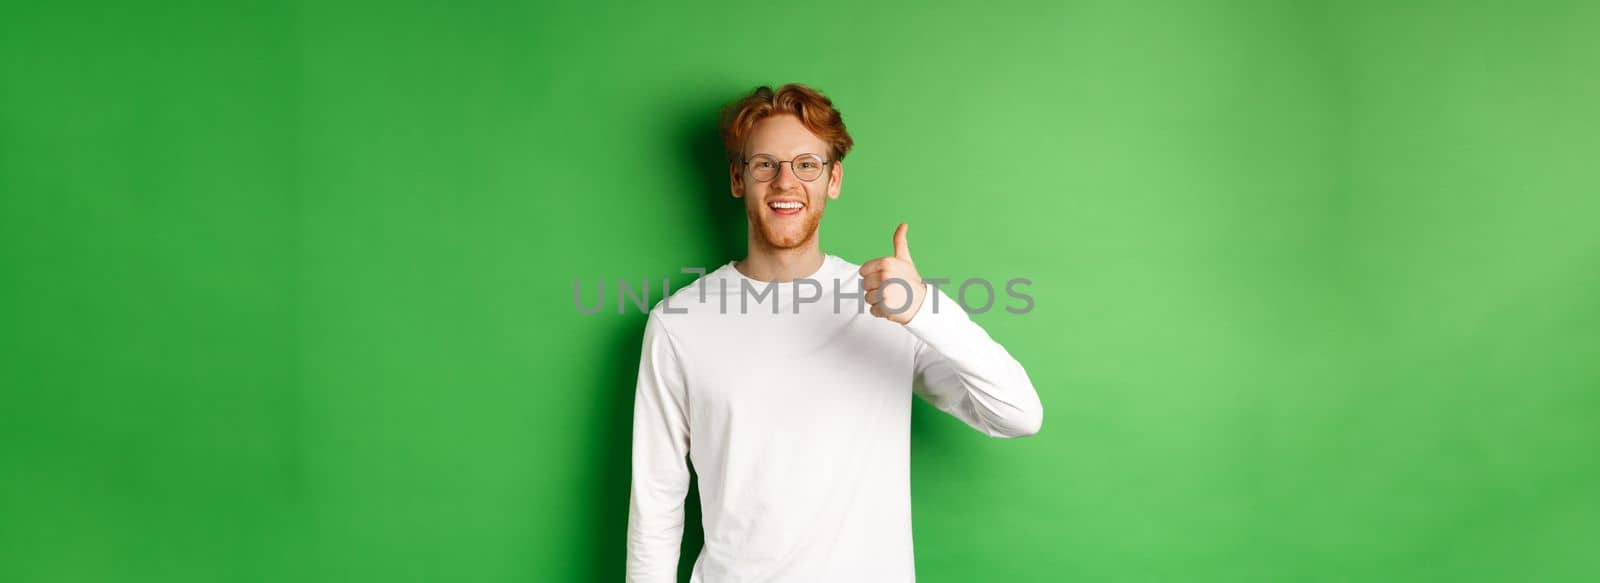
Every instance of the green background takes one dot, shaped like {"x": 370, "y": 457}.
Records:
{"x": 287, "y": 287}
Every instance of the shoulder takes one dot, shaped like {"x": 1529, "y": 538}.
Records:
{"x": 840, "y": 270}
{"x": 841, "y": 265}
{"x": 695, "y": 296}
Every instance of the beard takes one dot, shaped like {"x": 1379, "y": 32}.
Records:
{"x": 784, "y": 233}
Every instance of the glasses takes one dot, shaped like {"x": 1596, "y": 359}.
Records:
{"x": 806, "y": 167}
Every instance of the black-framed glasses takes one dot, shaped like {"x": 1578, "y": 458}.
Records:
{"x": 807, "y": 167}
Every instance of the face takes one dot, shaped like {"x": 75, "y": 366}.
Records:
{"x": 783, "y": 138}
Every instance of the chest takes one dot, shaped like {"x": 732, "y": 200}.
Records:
{"x": 786, "y": 369}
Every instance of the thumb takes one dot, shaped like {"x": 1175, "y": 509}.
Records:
{"x": 901, "y": 249}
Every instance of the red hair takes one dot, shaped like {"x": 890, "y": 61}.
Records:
{"x": 815, "y": 111}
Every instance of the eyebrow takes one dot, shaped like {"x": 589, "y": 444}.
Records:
{"x": 781, "y": 157}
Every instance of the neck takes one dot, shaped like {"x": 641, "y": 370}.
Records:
{"x": 765, "y": 263}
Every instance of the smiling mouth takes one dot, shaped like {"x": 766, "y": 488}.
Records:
{"x": 786, "y": 207}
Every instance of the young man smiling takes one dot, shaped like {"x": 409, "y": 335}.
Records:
{"x": 797, "y": 415}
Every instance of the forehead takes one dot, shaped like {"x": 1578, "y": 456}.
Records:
{"x": 783, "y": 136}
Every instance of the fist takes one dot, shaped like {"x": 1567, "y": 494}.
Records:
{"x": 892, "y": 286}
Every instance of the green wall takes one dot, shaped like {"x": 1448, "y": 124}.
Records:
{"x": 286, "y": 288}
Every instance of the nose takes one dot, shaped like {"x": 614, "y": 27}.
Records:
{"x": 786, "y": 178}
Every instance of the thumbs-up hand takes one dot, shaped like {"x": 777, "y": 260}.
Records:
{"x": 892, "y": 286}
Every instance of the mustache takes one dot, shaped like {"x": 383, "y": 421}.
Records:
{"x": 800, "y": 194}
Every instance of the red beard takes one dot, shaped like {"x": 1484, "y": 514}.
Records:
{"x": 783, "y": 233}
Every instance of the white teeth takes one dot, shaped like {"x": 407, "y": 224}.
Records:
{"x": 786, "y": 205}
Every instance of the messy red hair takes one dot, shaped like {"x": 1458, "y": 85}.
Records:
{"x": 815, "y": 111}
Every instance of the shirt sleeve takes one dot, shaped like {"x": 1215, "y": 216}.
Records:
{"x": 962, "y": 371}
{"x": 660, "y": 473}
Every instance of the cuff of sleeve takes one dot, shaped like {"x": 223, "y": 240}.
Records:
{"x": 937, "y": 314}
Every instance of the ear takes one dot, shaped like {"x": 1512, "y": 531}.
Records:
{"x": 837, "y": 171}
{"x": 736, "y": 182}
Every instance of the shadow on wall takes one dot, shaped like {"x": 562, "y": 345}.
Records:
{"x": 700, "y": 146}
{"x": 725, "y": 224}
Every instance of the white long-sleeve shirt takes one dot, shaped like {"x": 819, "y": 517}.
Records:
{"x": 798, "y": 425}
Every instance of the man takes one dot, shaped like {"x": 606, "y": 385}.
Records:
{"x": 792, "y": 400}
